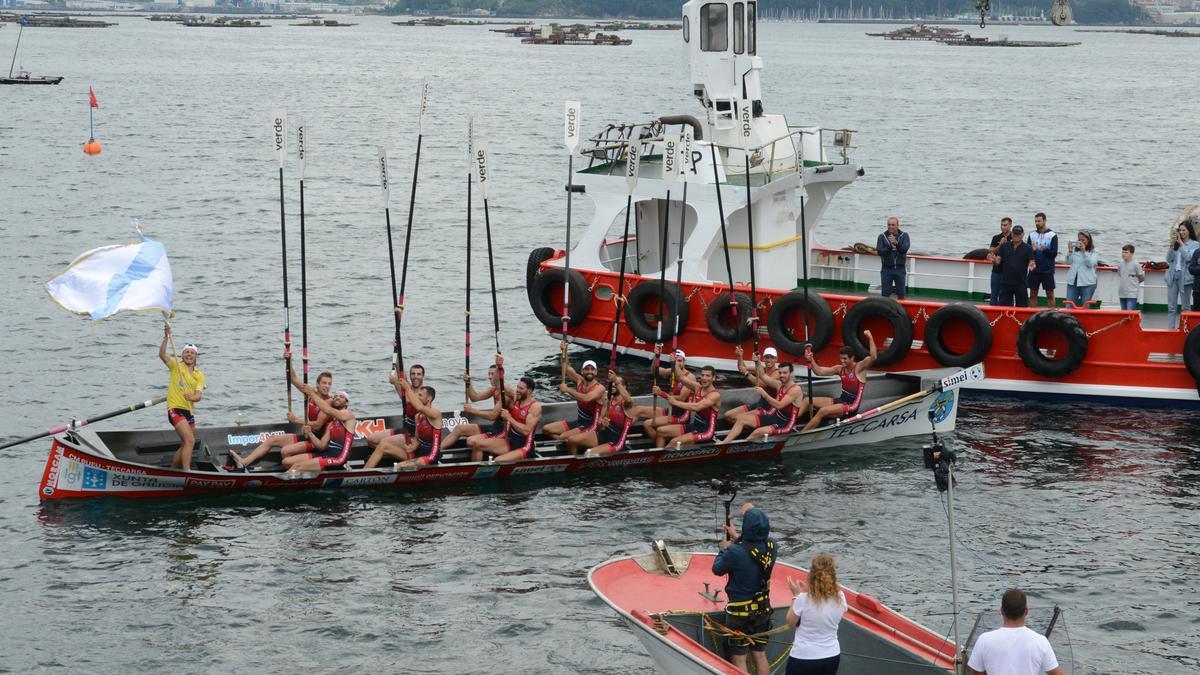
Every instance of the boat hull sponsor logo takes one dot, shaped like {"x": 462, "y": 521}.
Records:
{"x": 693, "y": 453}
{"x": 545, "y": 468}
{"x": 427, "y": 475}
{"x": 618, "y": 462}
{"x": 942, "y": 406}
{"x": 450, "y": 422}
{"x": 358, "y": 481}
{"x": 364, "y": 428}
{"x": 212, "y": 483}
{"x": 252, "y": 439}
{"x": 874, "y": 425}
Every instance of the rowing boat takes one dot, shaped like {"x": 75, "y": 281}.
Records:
{"x": 136, "y": 463}
{"x": 673, "y": 604}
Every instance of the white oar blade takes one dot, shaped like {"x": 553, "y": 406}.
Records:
{"x": 279, "y": 128}
{"x": 300, "y": 145}
{"x": 670, "y": 155}
{"x": 745, "y": 122}
{"x": 424, "y": 103}
{"x": 383, "y": 177}
{"x": 481, "y": 167}
{"x": 633, "y": 161}
{"x": 687, "y": 163}
{"x": 972, "y": 374}
{"x": 571, "y": 121}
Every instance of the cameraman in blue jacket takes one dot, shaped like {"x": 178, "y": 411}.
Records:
{"x": 748, "y": 560}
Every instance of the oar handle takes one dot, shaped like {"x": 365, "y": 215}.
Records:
{"x": 886, "y": 406}
{"x": 79, "y": 423}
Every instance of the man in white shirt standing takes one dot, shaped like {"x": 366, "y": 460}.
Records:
{"x": 1013, "y": 649}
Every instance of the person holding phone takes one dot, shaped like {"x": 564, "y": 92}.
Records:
{"x": 1081, "y": 279}
{"x": 1179, "y": 281}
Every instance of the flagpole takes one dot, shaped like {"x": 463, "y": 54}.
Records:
{"x": 280, "y": 129}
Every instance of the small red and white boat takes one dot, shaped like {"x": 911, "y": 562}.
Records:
{"x": 673, "y": 602}
{"x": 712, "y": 202}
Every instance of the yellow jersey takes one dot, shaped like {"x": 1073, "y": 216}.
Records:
{"x": 183, "y": 380}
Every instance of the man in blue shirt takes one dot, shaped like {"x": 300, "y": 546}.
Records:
{"x": 748, "y": 560}
{"x": 1045, "y": 250}
{"x": 892, "y": 247}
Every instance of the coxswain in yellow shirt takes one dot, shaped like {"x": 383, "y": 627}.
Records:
{"x": 184, "y": 390}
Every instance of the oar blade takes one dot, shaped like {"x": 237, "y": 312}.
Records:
{"x": 571, "y": 120}
{"x": 383, "y": 177}
{"x": 279, "y": 129}
{"x": 481, "y": 167}
{"x": 300, "y": 149}
{"x": 670, "y": 155}
{"x": 424, "y": 104}
{"x": 687, "y": 162}
{"x": 633, "y": 161}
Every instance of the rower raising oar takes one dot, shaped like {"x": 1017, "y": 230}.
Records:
{"x": 631, "y": 178}
{"x": 300, "y": 155}
{"x": 744, "y": 112}
{"x": 279, "y": 128}
{"x": 571, "y": 121}
{"x": 733, "y": 307}
{"x": 75, "y": 424}
{"x": 482, "y": 173}
{"x": 412, "y": 203}
{"x": 467, "y": 310}
{"x": 670, "y": 155}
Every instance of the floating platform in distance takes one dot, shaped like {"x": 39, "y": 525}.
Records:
{"x": 601, "y": 39}
{"x": 222, "y": 22}
{"x": 47, "y": 21}
{"x": 324, "y": 23}
{"x": 1143, "y": 31}
{"x": 1005, "y": 42}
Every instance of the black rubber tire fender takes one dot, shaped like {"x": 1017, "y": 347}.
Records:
{"x": 976, "y": 254}
{"x": 973, "y": 317}
{"x": 891, "y": 311}
{"x": 551, "y": 281}
{"x": 820, "y": 329}
{"x": 536, "y": 257}
{"x": 720, "y": 327}
{"x": 1191, "y": 354}
{"x": 673, "y": 302}
{"x": 1060, "y": 322}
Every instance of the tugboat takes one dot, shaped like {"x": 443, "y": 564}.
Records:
{"x": 766, "y": 251}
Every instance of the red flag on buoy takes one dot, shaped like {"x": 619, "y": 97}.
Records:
{"x": 92, "y": 98}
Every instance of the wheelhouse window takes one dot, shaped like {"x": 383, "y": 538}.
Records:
{"x": 739, "y": 28}
{"x": 714, "y": 27}
{"x": 752, "y": 28}
{"x": 687, "y": 29}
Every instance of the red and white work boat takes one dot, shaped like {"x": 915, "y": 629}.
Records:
{"x": 748, "y": 185}
{"x": 674, "y": 604}
{"x": 85, "y": 463}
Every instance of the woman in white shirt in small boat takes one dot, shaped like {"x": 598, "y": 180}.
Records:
{"x": 815, "y": 614}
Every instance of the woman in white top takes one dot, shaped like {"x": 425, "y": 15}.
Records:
{"x": 1177, "y": 277}
{"x": 815, "y": 614}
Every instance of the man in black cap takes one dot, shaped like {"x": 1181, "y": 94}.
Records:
{"x": 748, "y": 560}
{"x": 1015, "y": 258}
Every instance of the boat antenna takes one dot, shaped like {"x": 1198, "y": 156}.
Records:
{"x": 941, "y": 460}
{"x": 633, "y": 157}
{"x": 571, "y": 121}
{"x": 482, "y": 174}
{"x": 300, "y": 154}
{"x": 724, "y": 487}
{"x": 279, "y": 127}
{"x": 745, "y": 112}
{"x": 467, "y": 310}
{"x": 412, "y": 201}
{"x": 670, "y": 156}
{"x": 712, "y": 145}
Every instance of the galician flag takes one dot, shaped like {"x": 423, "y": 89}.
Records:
{"x": 113, "y": 279}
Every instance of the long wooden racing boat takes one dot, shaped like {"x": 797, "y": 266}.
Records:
{"x": 87, "y": 463}
{"x": 668, "y": 600}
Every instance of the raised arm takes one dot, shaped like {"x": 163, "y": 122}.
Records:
{"x": 871, "y": 356}
{"x": 162, "y": 348}
{"x": 818, "y": 368}
{"x": 707, "y": 401}
{"x": 343, "y": 415}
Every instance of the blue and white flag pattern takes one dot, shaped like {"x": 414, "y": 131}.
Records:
{"x": 113, "y": 279}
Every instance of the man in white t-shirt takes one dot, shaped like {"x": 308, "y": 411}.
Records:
{"x": 1013, "y": 649}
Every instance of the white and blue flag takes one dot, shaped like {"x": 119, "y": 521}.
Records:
{"x": 113, "y": 279}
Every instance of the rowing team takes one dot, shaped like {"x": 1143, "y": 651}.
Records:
{"x": 605, "y": 414}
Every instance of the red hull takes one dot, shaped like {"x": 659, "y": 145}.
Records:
{"x": 1123, "y": 359}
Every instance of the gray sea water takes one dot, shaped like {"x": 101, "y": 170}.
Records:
{"x": 1091, "y": 507}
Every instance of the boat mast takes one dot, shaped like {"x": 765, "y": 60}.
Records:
{"x": 14, "y": 58}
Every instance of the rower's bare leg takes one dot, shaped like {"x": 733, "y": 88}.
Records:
{"x": 263, "y": 448}
{"x": 378, "y": 437}
{"x": 600, "y": 450}
{"x": 300, "y": 463}
{"x": 481, "y": 445}
{"x": 832, "y": 411}
{"x": 761, "y": 433}
{"x": 398, "y": 452}
{"x": 580, "y": 439}
{"x": 187, "y": 439}
{"x": 746, "y": 419}
{"x": 556, "y": 430}
{"x": 511, "y": 456}
{"x": 460, "y": 431}
{"x": 732, "y": 414}
{"x": 297, "y": 448}
{"x": 666, "y": 433}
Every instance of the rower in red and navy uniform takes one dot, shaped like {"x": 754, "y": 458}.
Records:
{"x": 703, "y": 406}
{"x": 492, "y": 415}
{"x": 521, "y": 419}
{"x": 416, "y": 376}
{"x": 616, "y": 420}
{"x": 784, "y": 402}
{"x": 424, "y": 446}
{"x": 766, "y": 377}
{"x": 292, "y": 444}
{"x": 331, "y": 449}
{"x": 587, "y": 395}
{"x": 854, "y": 381}
{"x": 665, "y": 414}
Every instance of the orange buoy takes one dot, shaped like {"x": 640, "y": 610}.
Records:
{"x": 92, "y": 147}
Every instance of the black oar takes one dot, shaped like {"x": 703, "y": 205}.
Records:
{"x": 79, "y": 423}
{"x": 686, "y": 166}
{"x": 631, "y": 178}
{"x": 387, "y": 216}
{"x": 303, "y": 264}
{"x": 571, "y": 121}
{"x": 745, "y": 112}
{"x": 804, "y": 263}
{"x": 670, "y": 155}
{"x": 280, "y": 129}
{"x": 412, "y": 202}
{"x": 481, "y": 172}
{"x": 712, "y": 144}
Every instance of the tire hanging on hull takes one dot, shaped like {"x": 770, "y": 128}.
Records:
{"x": 721, "y": 327}
{"x": 672, "y": 302}
{"x": 1057, "y": 322}
{"x": 1191, "y": 355}
{"x": 549, "y": 282}
{"x": 975, "y": 319}
{"x": 889, "y": 310}
{"x": 816, "y": 312}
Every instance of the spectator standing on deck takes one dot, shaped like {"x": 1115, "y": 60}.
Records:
{"x": 1081, "y": 279}
{"x": 997, "y": 240}
{"x": 817, "y": 608}
{"x": 1131, "y": 278}
{"x": 1013, "y": 649}
{"x": 1044, "y": 243}
{"x": 1178, "y": 280}
{"x": 1016, "y": 262}
{"x": 892, "y": 247}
